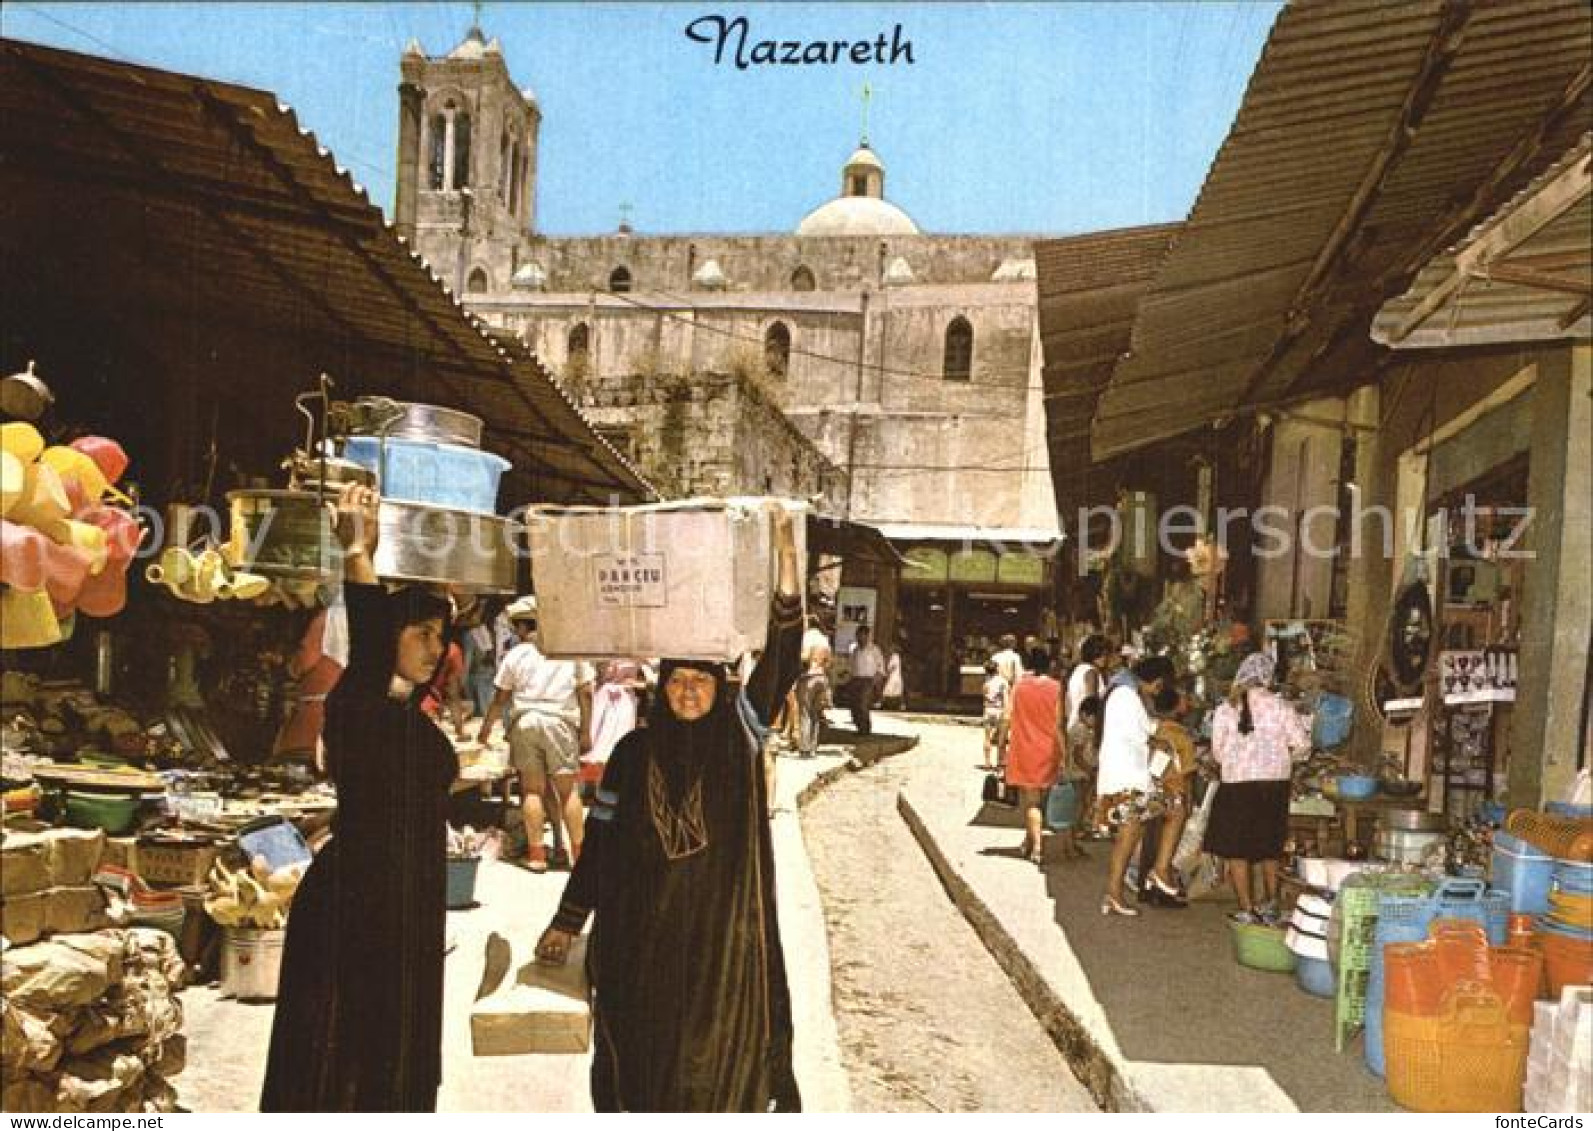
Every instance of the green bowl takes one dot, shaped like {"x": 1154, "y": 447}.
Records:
{"x": 1261, "y": 948}
{"x": 113, "y": 812}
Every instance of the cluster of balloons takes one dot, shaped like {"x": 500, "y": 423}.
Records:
{"x": 65, "y": 547}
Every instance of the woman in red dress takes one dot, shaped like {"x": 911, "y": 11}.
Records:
{"x": 1035, "y": 746}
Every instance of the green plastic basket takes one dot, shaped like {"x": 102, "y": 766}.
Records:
{"x": 1356, "y": 909}
{"x": 1262, "y": 948}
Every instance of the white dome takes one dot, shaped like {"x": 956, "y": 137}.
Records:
{"x": 857, "y": 216}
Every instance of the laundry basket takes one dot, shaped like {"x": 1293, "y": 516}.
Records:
{"x": 1468, "y": 1058}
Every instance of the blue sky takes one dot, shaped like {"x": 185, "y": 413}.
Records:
{"x": 1014, "y": 117}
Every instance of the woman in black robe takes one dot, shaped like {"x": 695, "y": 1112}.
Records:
{"x": 358, "y": 1023}
{"x": 691, "y": 1007}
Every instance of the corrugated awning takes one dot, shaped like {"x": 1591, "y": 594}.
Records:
{"x": 1089, "y": 289}
{"x": 1525, "y": 274}
{"x": 197, "y": 230}
{"x": 844, "y": 538}
{"x": 1371, "y": 135}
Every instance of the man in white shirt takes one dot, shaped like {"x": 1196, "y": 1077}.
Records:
{"x": 1009, "y": 666}
{"x": 868, "y": 676}
{"x": 547, "y": 705}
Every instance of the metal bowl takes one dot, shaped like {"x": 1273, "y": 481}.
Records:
{"x": 429, "y": 422}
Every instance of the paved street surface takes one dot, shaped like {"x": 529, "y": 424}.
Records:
{"x": 928, "y": 1020}
{"x": 1154, "y": 1012}
{"x": 227, "y": 1040}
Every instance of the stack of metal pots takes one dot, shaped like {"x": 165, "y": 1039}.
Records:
{"x": 439, "y": 491}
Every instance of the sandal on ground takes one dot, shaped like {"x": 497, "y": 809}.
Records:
{"x": 1110, "y": 906}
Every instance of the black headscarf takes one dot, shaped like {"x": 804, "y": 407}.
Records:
{"x": 679, "y": 746}
{"x": 373, "y": 660}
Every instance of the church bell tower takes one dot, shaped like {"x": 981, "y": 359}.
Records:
{"x": 467, "y": 149}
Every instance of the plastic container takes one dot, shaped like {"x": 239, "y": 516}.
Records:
{"x": 1526, "y": 873}
{"x": 1470, "y": 1058}
{"x": 1405, "y": 918}
{"x": 1315, "y": 976}
{"x": 439, "y": 475}
{"x": 462, "y": 883}
{"x": 1567, "y": 960}
{"x": 1567, "y": 838}
{"x": 1262, "y": 948}
{"x": 1569, "y": 809}
{"x": 251, "y": 963}
{"x": 1335, "y": 715}
{"x": 1356, "y": 787}
{"x": 1573, "y": 877}
{"x": 1061, "y": 806}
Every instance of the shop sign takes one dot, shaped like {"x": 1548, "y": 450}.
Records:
{"x": 973, "y": 565}
{"x": 927, "y": 566}
{"x": 854, "y": 609}
{"x": 1021, "y": 569}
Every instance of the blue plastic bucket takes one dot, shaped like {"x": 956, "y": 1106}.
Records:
{"x": 462, "y": 883}
{"x": 1061, "y": 806}
{"x": 1330, "y": 727}
{"x": 1315, "y": 976}
{"x": 438, "y": 475}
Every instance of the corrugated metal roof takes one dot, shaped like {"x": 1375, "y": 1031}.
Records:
{"x": 173, "y": 209}
{"x": 1524, "y": 274}
{"x": 1371, "y": 135}
{"x": 1089, "y": 289}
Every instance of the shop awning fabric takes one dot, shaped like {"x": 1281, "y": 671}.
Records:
{"x": 1013, "y": 538}
{"x": 185, "y": 230}
{"x": 1371, "y": 136}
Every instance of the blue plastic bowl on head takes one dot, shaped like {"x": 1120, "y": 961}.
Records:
{"x": 1356, "y": 787}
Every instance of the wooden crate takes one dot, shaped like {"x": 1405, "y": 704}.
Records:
{"x": 185, "y": 865}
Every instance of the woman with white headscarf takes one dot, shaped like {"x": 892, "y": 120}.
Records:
{"x": 1254, "y": 738}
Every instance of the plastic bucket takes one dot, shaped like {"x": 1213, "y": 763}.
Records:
{"x": 251, "y": 963}
{"x": 1522, "y": 871}
{"x": 1567, "y": 961}
{"x": 462, "y": 883}
{"x": 1330, "y": 727}
{"x": 1061, "y": 806}
{"x": 1315, "y": 976}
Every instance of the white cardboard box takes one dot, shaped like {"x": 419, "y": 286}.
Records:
{"x": 688, "y": 579}
{"x": 526, "y": 1007}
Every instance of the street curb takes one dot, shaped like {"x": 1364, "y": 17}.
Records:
{"x": 1093, "y": 1065}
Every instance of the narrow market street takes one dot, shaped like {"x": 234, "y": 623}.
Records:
{"x": 928, "y": 1021}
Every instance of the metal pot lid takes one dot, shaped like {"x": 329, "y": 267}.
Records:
{"x": 1413, "y": 820}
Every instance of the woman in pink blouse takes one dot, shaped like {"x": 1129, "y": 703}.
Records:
{"x": 1254, "y": 737}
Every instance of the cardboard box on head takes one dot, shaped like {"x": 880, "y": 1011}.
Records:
{"x": 690, "y": 579}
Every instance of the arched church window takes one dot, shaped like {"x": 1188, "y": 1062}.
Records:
{"x": 802, "y": 280}
{"x": 437, "y": 148}
{"x": 477, "y": 283}
{"x": 958, "y": 364}
{"x": 619, "y": 280}
{"x": 777, "y": 349}
{"x": 461, "y": 150}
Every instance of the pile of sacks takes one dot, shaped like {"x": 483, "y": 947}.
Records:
{"x": 91, "y": 1023}
{"x": 47, "y": 886}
